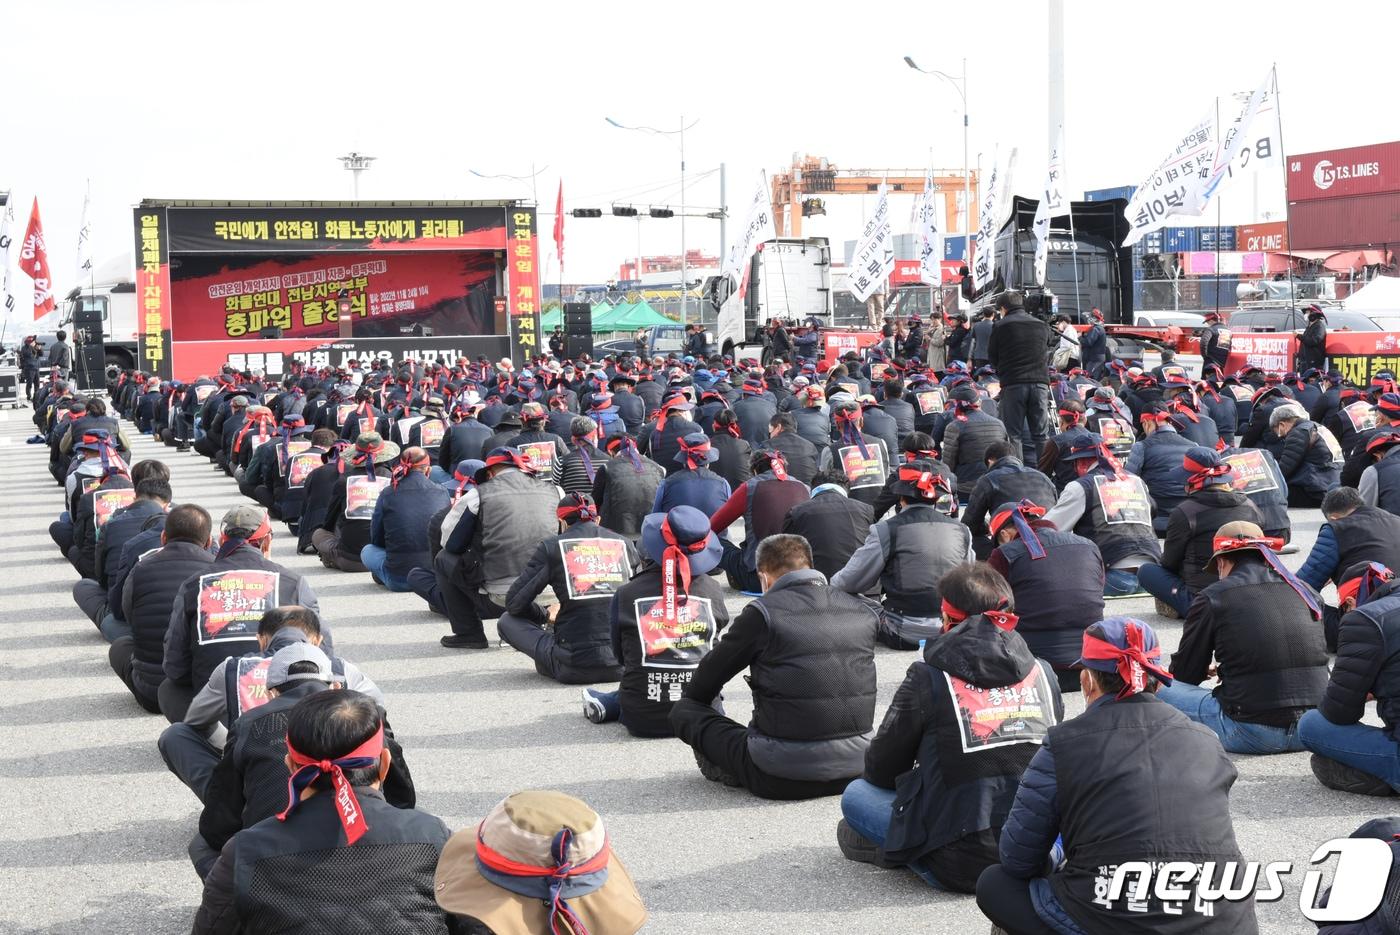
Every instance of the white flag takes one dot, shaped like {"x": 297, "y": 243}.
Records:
{"x": 1177, "y": 187}
{"x": 1052, "y": 202}
{"x": 931, "y": 238}
{"x": 874, "y": 257}
{"x": 984, "y": 262}
{"x": 758, "y": 228}
{"x": 7, "y": 217}
{"x": 1251, "y": 139}
{"x": 85, "y": 239}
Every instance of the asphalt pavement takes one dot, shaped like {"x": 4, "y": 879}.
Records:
{"x": 94, "y": 829}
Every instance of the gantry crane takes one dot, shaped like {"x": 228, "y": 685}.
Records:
{"x": 814, "y": 175}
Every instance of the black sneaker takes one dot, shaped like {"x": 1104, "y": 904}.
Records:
{"x": 713, "y": 773}
{"x": 1166, "y": 610}
{"x": 456, "y": 641}
{"x": 1346, "y": 778}
{"x": 854, "y": 845}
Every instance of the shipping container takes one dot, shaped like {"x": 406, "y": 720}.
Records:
{"x": 1179, "y": 239}
{"x": 1108, "y": 194}
{"x": 1339, "y": 173}
{"x": 1150, "y": 243}
{"x": 1271, "y": 237}
{"x": 1217, "y": 238}
{"x": 1339, "y": 223}
{"x": 1218, "y": 292}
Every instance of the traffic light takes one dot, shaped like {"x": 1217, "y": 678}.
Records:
{"x": 587, "y": 212}
{"x": 624, "y": 211}
{"x": 662, "y": 213}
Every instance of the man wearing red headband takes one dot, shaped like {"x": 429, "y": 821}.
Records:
{"x": 906, "y": 555}
{"x": 695, "y": 484}
{"x": 1006, "y": 480}
{"x": 1263, "y": 628}
{"x": 1348, "y": 755}
{"x": 625, "y": 486}
{"x": 863, "y": 457}
{"x": 1379, "y": 485}
{"x": 487, "y": 537}
{"x": 960, "y": 731}
{"x": 336, "y": 825}
{"x": 364, "y": 474}
{"x": 215, "y": 614}
{"x": 799, "y": 454}
{"x": 1355, "y": 425}
{"x": 810, "y": 652}
{"x": 1097, "y": 783}
{"x": 967, "y": 436}
{"x": 1157, "y": 460}
{"x": 733, "y": 450}
{"x": 663, "y": 623}
{"x": 1056, "y": 578}
{"x": 763, "y": 503}
{"x": 398, "y": 530}
{"x": 585, "y": 565}
{"x": 1211, "y": 502}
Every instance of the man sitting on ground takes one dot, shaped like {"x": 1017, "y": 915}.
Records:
{"x": 926, "y": 754}
{"x": 810, "y": 652}
{"x": 398, "y": 529}
{"x": 763, "y": 503}
{"x": 831, "y": 521}
{"x": 585, "y": 565}
{"x": 1263, "y": 627}
{"x": 1353, "y": 534}
{"x": 1007, "y": 481}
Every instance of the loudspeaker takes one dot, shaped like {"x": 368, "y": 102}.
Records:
{"x": 576, "y": 344}
{"x": 578, "y": 317}
{"x": 91, "y": 371}
{"x": 86, "y": 314}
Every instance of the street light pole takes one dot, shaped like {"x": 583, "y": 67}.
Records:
{"x": 356, "y": 163}
{"x": 967, "y": 179}
{"x": 532, "y": 178}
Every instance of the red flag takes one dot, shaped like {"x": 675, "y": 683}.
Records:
{"x": 34, "y": 261}
{"x": 559, "y": 224}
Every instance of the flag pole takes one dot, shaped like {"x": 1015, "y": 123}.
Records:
{"x": 1287, "y": 215}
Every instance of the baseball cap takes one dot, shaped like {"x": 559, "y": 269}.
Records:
{"x": 244, "y": 521}
{"x": 284, "y": 658}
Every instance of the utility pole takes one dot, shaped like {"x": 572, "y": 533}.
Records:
{"x": 356, "y": 163}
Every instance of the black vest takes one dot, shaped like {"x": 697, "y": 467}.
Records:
{"x": 922, "y": 545}
{"x": 1205, "y": 512}
{"x": 516, "y": 512}
{"x": 765, "y": 509}
{"x": 834, "y": 526}
{"x": 1367, "y": 535}
{"x": 1273, "y": 664}
{"x": 582, "y": 627}
{"x": 292, "y": 875}
{"x": 629, "y": 494}
{"x": 1115, "y": 807}
{"x": 155, "y": 583}
{"x": 1116, "y": 540}
{"x": 815, "y": 679}
{"x": 259, "y": 741}
{"x": 1056, "y": 596}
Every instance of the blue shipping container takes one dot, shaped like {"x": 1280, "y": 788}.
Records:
{"x": 1179, "y": 239}
{"x": 1217, "y": 238}
{"x": 1108, "y": 194}
{"x": 1150, "y": 243}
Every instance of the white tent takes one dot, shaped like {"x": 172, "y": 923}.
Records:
{"x": 1380, "y": 294}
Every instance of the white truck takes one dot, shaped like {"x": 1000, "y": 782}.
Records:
{"x": 110, "y": 293}
{"x": 787, "y": 278}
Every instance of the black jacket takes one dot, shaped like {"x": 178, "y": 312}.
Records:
{"x": 1368, "y": 663}
{"x": 1006, "y": 481}
{"x": 1191, "y": 532}
{"x": 121, "y": 529}
{"x": 944, "y": 790}
{"x": 148, "y": 599}
{"x": 1018, "y": 349}
{"x": 584, "y": 589}
{"x": 833, "y": 524}
{"x": 800, "y": 454}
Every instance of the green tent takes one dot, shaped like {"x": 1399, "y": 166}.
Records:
{"x": 554, "y": 318}
{"x": 640, "y": 315}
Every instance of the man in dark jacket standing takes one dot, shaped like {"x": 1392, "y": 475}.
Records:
{"x": 148, "y": 597}
{"x": 832, "y": 522}
{"x": 1348, "y": 755}
{"x": 337, "y": 824}
{"x": 1211, "y": 502}
{"x": 1263, "y": 627}
{"x": 810, "y": 652}
{"x": 1093, "y": 345}
{"x": 1312, "y": 342}
{"x": 398, "y": 529}
{"x": 1097, "y": 783}
{"x": 1019, "y": 352}
{"x": 585, "y": 565}
{"x": 977, "y": 689}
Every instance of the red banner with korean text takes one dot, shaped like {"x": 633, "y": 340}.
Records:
{"x": 252, "y": 682}
{"x": 230, "y": 604}
{"x": 153, "y": 293}
{"x": 390, "y": 294}
{"x": 594, "y": 568}
{"x": 105, "y": 504}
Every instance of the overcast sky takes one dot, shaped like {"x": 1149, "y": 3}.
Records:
{"x": 254, "y": 100}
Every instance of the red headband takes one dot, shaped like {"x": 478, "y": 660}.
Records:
{"x": 926, "y": 482}
{"x": 581, "y": 506}
{"x": 675, "y": 571}
{"x": 1133, "y": 662}
{"x": 352, "y": 819}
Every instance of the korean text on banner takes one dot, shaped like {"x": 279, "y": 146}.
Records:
{"x": 993, "y": 199}
{"x": 874, "y": 257}
{"x": 34, "y": 262}
{"x": 1177, "y": 187}
{"x": 523, "y": 276}
{"x": 7, "y": 217}
{"x": 1250, "y": 141}
{"x": 1052, "y": 202}
{"x": 931, "y": 238}
{"x": 758, "y": 228}
{"x": 153, "y": 292}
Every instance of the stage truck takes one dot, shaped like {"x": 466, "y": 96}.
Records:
{"x": 787, "y": 279}
{"x": 258, "y": 284}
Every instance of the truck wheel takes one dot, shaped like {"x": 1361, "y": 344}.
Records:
{"x": 116, "y": 362}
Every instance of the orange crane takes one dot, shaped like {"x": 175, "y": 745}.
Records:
{"x": 814, "y": 175}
